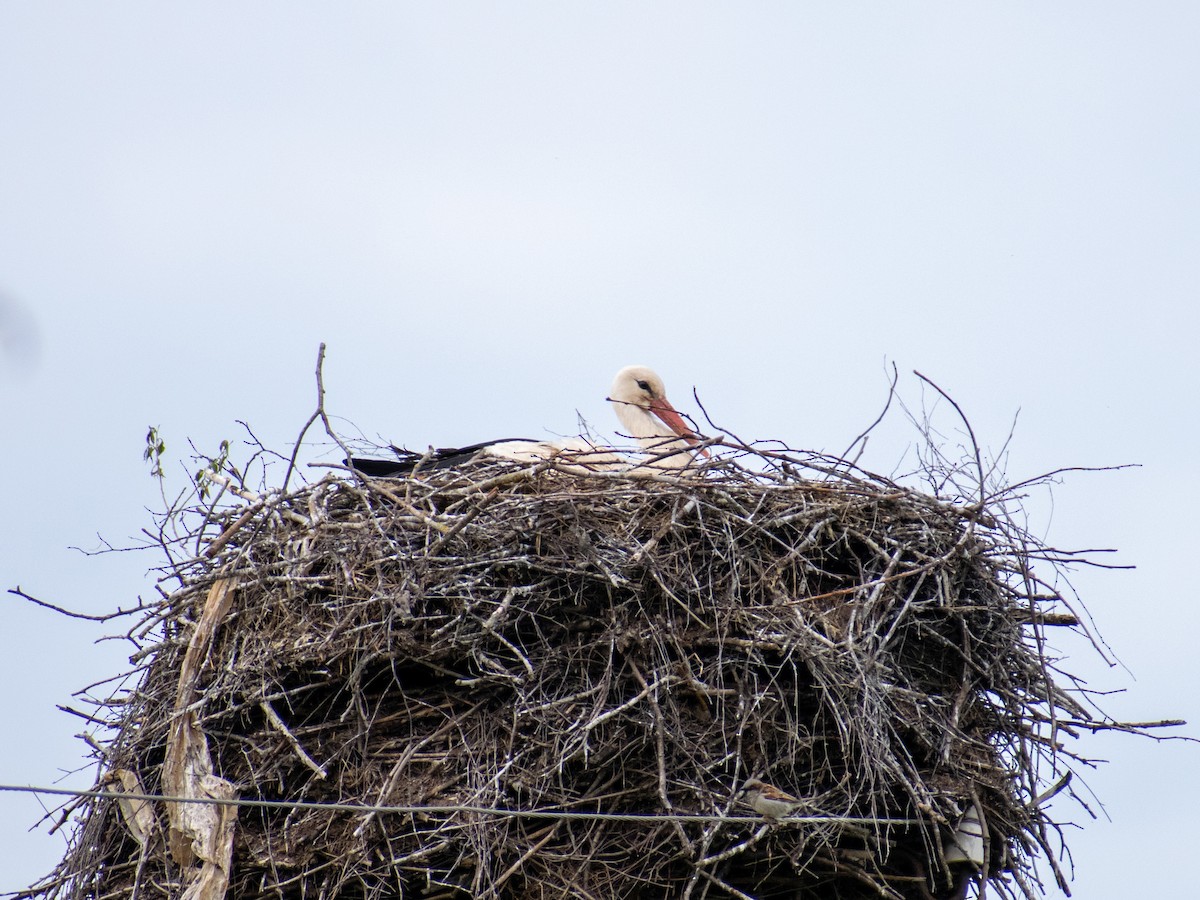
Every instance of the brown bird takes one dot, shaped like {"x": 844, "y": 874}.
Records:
{"x": 769, "y": 801}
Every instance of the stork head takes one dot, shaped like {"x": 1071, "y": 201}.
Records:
{"x": 641, "y": 403}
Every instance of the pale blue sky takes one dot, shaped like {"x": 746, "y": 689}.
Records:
{"x": 484, "y": 210}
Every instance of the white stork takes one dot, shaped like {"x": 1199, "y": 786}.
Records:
{"x": 640, "y": 401}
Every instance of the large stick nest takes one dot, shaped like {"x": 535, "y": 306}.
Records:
{"x": 495, "y": 640}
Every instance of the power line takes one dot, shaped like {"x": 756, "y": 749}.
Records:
{"x": 481, "y": 810}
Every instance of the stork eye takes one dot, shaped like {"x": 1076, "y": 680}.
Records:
{"x": 644, "y": 385}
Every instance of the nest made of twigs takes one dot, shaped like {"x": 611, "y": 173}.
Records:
{"x": 498, "y": 639}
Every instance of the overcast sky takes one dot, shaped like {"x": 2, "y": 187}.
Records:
{"x": 485, "y": 210}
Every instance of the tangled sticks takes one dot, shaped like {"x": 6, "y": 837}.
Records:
{"x": 506, "y": 681}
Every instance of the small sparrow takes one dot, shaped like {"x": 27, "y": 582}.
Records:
{"x": 769, "y": 801}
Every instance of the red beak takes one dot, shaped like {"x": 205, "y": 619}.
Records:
{"x": 669, "y": 417}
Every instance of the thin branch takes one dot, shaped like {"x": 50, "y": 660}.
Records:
{"x": 886, "y": 406}
{"x": 105, "y": 617}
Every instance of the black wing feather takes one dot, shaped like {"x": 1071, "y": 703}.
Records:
{"x": 441, "y": 458}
